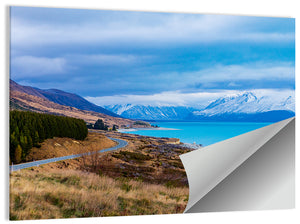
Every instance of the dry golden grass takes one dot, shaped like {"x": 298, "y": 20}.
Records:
{"x": 57, "y": 147}
{"x": 43, "y": 193}
{"x": 145, "y": 177}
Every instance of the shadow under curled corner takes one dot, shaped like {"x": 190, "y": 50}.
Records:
{"x": 253, "y": 171}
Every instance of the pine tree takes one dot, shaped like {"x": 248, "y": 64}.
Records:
{"x": 18, "y": 154}
{"x": 36, "y": 139}
{"x": 28, "y": 129}
{"x": 100, "y": 125}
{"x": 115, "y": 127}
{"x": 13, "y": 143}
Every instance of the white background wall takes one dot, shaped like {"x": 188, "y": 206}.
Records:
{"x": 286, "y": 8}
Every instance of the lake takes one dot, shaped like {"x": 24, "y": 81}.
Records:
{"x": 205, "y": 133}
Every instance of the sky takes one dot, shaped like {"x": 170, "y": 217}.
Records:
{"x": 112, "y": 57}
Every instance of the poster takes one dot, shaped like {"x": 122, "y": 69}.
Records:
{"x": 194, "y": 79}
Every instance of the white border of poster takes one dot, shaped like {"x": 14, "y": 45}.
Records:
{"x": 274, "y": 8}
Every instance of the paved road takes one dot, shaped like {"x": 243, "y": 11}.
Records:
{"x": 121, "y": 144}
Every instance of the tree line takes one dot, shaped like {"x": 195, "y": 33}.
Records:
{"x": 100, "y": 125}
{"x": 29, "y": 129}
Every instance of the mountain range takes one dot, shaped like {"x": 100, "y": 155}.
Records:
{"x": 146, "y": 112}
{"x": 61, "y": 97}
{"x": 246, "y": 106}
{"x": 62, "y": 103}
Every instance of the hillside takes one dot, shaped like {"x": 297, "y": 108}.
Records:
{"x": 61, "y": 97}
{"x": 147, "y": 177}
{"x": 24, "y": 101}
{"x": 57, "y": 147}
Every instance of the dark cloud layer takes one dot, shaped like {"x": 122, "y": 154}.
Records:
{"x": 103, "y": 53}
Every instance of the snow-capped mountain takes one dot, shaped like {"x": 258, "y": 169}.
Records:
{"x": 246, "y": 106}
{"x": 151, "y": 112}
{"x": 248, "y": 103}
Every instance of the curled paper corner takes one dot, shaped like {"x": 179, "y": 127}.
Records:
{"x": 253, "y": 171}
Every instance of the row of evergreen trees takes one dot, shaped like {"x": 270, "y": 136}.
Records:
{"x": 29, "y": 129}
{"x": 99, "y": 125}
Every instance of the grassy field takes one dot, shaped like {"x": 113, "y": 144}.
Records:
{"x": 145, "y": 177}
{"x": 43, "y": 193}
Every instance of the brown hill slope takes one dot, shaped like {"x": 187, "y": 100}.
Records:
{"x": 13, "y": 86}
{"x": 24, "y": 101}
{"x": 61, "y": 97}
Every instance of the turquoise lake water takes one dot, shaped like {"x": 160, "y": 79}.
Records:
{"x": 205, "y": 133}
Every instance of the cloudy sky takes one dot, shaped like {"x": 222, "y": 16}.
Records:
{"x": 126, "y": 57}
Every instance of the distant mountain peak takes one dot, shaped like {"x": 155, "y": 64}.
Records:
{"x": 241, "y": 97}
{"x": 247, "y": 102}
{"x": 148, "y": 112}
{"x": 249, "y": 96}
{"x": 235, "y": 106}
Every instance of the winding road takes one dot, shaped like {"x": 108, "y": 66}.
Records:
{"x": 121, "y": 144}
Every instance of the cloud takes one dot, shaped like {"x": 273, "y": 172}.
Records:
{"x": 141, "y": 27}
{"x": 242, "y": 72}
{"x": 168, "y": 98}
{"x": 176, "y": 98}
{"x": 220, "y": 76}
{"x": 107, "y": 75}
{"x": 29, "y": 66}
{"x": 106, "y": 59}
{"x": 102, "y": 52}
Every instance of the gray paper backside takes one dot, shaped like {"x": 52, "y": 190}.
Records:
{"x": 252, "y": 171}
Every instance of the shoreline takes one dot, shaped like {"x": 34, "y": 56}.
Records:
{"x": 185, "y": 144}
{"x": 125, "y": 130}
{"x": 192, "y": 145}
